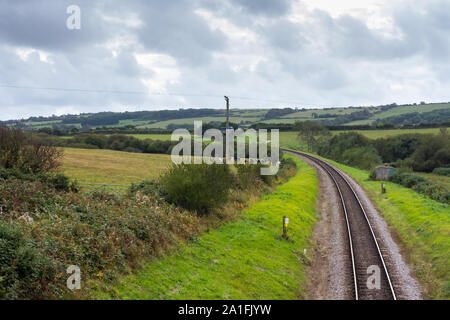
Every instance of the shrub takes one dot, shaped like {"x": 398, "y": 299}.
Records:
{"x": 200, "y": 187}
{"x": 58, "y": 181}
{"x": 287, "y": 169}
{"x": 102, "y": 235}
{"x": 442, "y": 171}
{"x": 408, "y": 180}
{"x": 26, "y": 154}
{"x": 362, "y": 157}
{"x": 24, "y": 269}
{"x": 148, "y": 188}
{"x": 248, "y": 175}
{"x": 422, "y": 185}
{"x": 350, "y": 148}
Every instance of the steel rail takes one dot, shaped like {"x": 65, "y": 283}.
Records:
{"x": 325, "y": 165}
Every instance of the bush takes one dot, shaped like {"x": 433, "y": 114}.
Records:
{"x": 362, "y": 157}
{"x": 408, "y": 180}
{"x": 350, "y": 148}
{"x": 24, "y": 269}
{"x": 434, "y": 152}
{"x": 58, "y": 181}
{"x": 442, "y": 171}
{"x": 148, "y": 188}
{"x": 248, "y": 175}
{"x": 43, "y": 232}
{"x": 422, "y": 185}
{"x": 199, "y": 187}
{"x": 26, "y": 154}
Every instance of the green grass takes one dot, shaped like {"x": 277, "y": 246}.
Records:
{"x": 245, "y": 259}
{"x": 441, "y": 181}
{"x": 409, "y": 109}
{"x": 423, "y": 226}
{"x": 190, "y": 121}
{"x": 289, "y": 138}
{"x": 375, "y": 134}
{"x": 152, "y": 136}
{"x": 307, "y": 114}
{"x": 112, "y": 167}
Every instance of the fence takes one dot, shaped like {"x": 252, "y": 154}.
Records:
{"x": 110, "y": 188}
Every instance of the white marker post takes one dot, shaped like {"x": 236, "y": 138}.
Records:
{"x": 285, "y": 227}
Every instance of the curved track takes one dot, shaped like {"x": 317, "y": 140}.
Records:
{"x": 364, "y": 251}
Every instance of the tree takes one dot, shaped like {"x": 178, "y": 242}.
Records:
{"x": 309, "y": 132}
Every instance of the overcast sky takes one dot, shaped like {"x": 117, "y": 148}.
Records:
{"x": 310, "y": 53}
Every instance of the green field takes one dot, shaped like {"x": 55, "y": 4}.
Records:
{"x": 252, "y": 116}
{"x": 375, "y": 134}
{"x": 402, "y": 110}
{"x": 245, "y": 259}
{"x": 190, "y": 121}
{"x": 308, "y": 114}
{"x": 112, "y": 167}
{"x": 290, "y": 139}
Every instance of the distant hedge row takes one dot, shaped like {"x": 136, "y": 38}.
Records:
{"x": 422, "y": 185}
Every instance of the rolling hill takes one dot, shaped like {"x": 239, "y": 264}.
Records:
{"x": 170, "y": 119}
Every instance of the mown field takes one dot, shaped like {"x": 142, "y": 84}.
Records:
{"x": 245, "y": 259}
{"x": 112, "y": 167}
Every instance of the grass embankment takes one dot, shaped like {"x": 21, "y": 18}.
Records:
{"x": 112, "y": 167}
{"x": 245, "y": 259}
{"x": 423, "y": 226}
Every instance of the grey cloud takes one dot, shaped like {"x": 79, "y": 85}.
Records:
{"x": 42, "y": 25}
{"x": 178, "y": 31}
{"x": 266, "y": 7}
{"x": 322, "y": 60}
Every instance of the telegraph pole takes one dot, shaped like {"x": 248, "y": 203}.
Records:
{"x": 228, "y": 112}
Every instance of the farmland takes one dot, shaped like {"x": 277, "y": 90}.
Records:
{"x": 112, "y": 167}
{"x": 375, "y": 134}
{"x": 272, "y": 268}
{"x": 290, "y": 139}
{"x": 165, "y": 118}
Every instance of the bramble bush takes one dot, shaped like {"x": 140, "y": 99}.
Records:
{"x": 203, "y": 188}
{"x": 199, "y": 187}
{"x": 43, "y": 231}
{"x": 442, "y": 171}
{"x": 422, "y": 185}
{"x": 26, "y": 153}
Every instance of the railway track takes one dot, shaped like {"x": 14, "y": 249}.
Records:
{"x": 364, "y": 251}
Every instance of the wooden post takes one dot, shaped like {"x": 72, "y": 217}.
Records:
{"x": 383, "y": 188}
{"x": 228, "y": 112}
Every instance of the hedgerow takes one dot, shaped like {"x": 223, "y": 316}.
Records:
{"x": 43, "y": 231}
{"x": 422, "y": 185}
